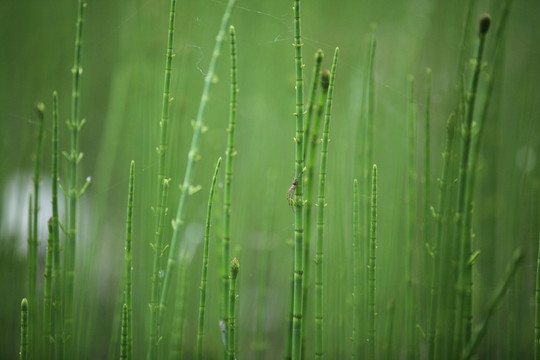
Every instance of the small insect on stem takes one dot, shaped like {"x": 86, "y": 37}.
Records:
{"x": 290, "y": 192}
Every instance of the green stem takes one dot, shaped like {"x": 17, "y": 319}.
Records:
{"x": 462, "y": 333}
{"x": 233, "y": 297}
{"x": 372, "y": 267}
{"x": 33, "y": 239}
{"x": 204, "y": 272}
{"x": 410, "y": 301}
{"x": 73, "y": 191}
{"x": 124, "y": 337}
{"x": 47, "y": 295}
{"x": 230, "y": 152}
{"x": 439, "y": 332}
{"x": 356, "y": 266}
{"x": 161, "y": 185}
{"x": 193, "y": 156}
{"x": 23, "y": 352}
{"x": 319, "y": 319}
{"x": 128, "y": 266}
{"x": 57, "y": 270}
{"x": 307, "y": 179}
{"x": 298, "y": 196}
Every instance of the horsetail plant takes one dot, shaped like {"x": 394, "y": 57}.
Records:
{"x": 233, "y": 297}
{"x": 128, "y": 268}
{"x": 438, "y": 335}
{"x": 157, "y": 275}
{"x": 33, "y": 237}
{"x": 298, "y": 190}
{"x": 204, "y": 272}
{"x": 47, "y": 294}
{"x": 73, "y": 192}
{"x": 372, "y": 267}
{"x": 411, "y": 221}
{"x": 230, "y": 152}
{"x": 125, "y": 331}
{"x": 162, "y": 184}
{"x": 356, "y": 265}
{"x": 463, "y": 327}
{"x": 426, "y": 182}
{"x": 177, "y": 338}
{"x": 307, "y": 177}
{"x": 57, "y": 270}
{"x": 193, "y": 155}
{"x": 321, "y": 207}
{"x": 23, "y": 352}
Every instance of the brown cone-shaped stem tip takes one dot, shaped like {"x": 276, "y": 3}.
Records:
{"x": 325, "y": 79}
{"x": 485, "y": 21}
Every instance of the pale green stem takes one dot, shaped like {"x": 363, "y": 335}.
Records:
{"x": 233, "y": 297}
{"x": 162, "y": 182}
{"x": 356, "y": 266}
{"x": 321, "y": 209}
{"x": 124, "y": 336}
{"x": 372, "y": 267}
{"x": 193, "y": 156}
{"x": 23, "y": 352}
{"x": 230, "y": 152}
{"x": 47, "y": 296}
{"x": 204, "y": 272}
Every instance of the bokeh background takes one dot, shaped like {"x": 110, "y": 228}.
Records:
{"x": 121, "y": 89}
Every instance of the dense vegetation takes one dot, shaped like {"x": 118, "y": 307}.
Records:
{"x": 212, "y": 217}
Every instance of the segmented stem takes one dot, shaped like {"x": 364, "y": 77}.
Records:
{"x": 233, "y": 297}
{"x": 204, "y": 272}
{"x": 298, "y": 195}
{"x": 228, "y": 178}
{"x": 47, "y": 295}
{"x": 161, "y": 197}
{"x": 57, "y": 270}
{"x": 463, "y": 329}
{"x": 319, "y": 339}
{"x": 193, "y": 156}
{"x": 124, "y": 336}
{"x": 23, "y": 352}
{"x": 73, "y": 192}
{"x": 372, "y": 267}
{"x": 356, "y": 265}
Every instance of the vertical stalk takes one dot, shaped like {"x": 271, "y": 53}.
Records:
{"x": 463, "y": 327}
{"x": 204, "y": 272}
{"x": 426, "y": 181}
{"x": 23, "y": 352}
{"x": 73, "y": 192}
{"x": 311, "y": 106}
{"x": 161, "y": 197}
{"x": 372, "y": 267}
{"x": 231, "y": 336}
{"x": 230, "y": 152}
{"x": 298, "y": 196}
{"x": 319, "y": 339}
{"x": 124, "y": 336}
{"x": 356, "y": 265}
{"x": 193, "y": 156}
{"x": 47, "y": 295}
{"x": 33, "y": 239}
{"x": 57, "y": 270}
{"x": 440, "y": 289}
{"x": 410, "y": 300}
{"x": 128, "y": 267}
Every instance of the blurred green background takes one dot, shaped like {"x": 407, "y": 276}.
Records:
{"x": 121, "y": 89}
